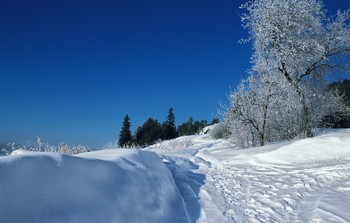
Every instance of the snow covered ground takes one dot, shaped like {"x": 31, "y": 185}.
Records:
{"x": 301, "y": 181}
{"x": 188, "y": 179}
{"x": 103, "y": 186}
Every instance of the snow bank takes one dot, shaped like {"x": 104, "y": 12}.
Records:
{"x": 291, "y": 181}
{"x": 216, "y": 131}
{"x": 103, "y": 186}
{"x": 185, "y": 144}
{"x": 325, "y": 148}
{"x": 301, "y": 181}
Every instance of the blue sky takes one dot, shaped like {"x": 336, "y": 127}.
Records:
{"x": 71, "y": 70}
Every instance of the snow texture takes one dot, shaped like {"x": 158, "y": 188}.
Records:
{"x": 188, "y": 179}
{"x": 104, "y": 186}
{"x": 301, "y": 181}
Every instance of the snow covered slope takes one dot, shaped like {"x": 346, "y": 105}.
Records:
{"x": 188, "y": 179}
{"x": 103, "y": 186}
{"x": 301, "y": 181}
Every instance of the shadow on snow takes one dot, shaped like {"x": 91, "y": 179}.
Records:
{"x": 187, "y": 182}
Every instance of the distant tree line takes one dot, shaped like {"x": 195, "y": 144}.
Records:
{"x": 152, "y": 130}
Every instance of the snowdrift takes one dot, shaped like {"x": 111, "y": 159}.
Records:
{"x": 293, "y": 181}
{"x": 327, "y": 148}
{"x": 103, "y": 186}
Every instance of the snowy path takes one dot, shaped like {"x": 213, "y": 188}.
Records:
{"x": 243, "y": 186}
{"x": 261, "y": 194}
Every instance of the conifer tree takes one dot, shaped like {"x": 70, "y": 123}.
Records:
{"x": 168, "y": 128}
{"x": 191, "y": 127}
{"x": 149, "y": 133}
{"x": 139, "y": 136}
{"x": 125, "y": 137}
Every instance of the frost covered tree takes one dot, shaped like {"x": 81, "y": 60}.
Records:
{"x": 260, "y": 110}
{"x": 125, "y": 137}
{"x": 264, "y": 108}
{"x": 302, "y": 45}
{"x": 40, "y": 144}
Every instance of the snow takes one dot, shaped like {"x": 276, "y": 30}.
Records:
{"x": 105, "y": 186}
{"x": 308, "y": 151}
{"x": 300, "y": 181}
{"x": 188, "y": 179}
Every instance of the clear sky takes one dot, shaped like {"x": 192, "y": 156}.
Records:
{"x": 70, "y": 70}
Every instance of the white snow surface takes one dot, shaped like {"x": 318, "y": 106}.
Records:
{"x": 300, "y": 181}
{"x": 188, "y": 179}
{"x": 103, "y": 186}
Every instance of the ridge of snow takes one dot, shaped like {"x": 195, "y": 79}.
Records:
{"x": 325, "y": 148}
{"x": 118, "y": 186}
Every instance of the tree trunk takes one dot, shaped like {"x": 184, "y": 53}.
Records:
{"x": 262, "y": 132}
{"x": 305, "y": 125}
{"x": 262, "y": 139}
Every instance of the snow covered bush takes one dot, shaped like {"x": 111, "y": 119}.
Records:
{"x": 115, "y": 145}
{"x": 180, "y": 143}
{"x": 46, "y": 147}
{"x": 218, "y": 131}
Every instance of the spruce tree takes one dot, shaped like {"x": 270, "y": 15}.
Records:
{"x": 139, "y": 136}
{"x": 125, "y": 137}
{"x": 149, "y": 133}
{"x": 169, "y": 128}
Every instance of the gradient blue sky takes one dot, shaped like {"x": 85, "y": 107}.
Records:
{"x": 71, "y": 70}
